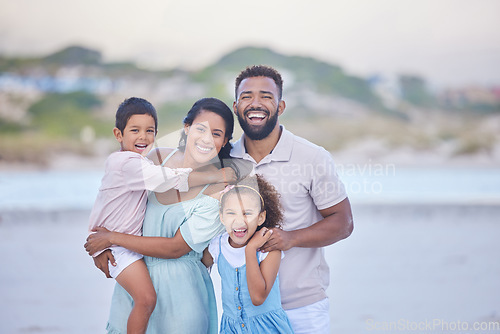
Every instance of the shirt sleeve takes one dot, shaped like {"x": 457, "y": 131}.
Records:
{"x": 203, "y": 225}
{"x": 262, "y": 256}
{"x": 213, "y": 249}
{"x": 326, "y": 187}
{"x": 141, "y": 174}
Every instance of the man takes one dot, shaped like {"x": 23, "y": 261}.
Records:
{"x": 317, "y": 210}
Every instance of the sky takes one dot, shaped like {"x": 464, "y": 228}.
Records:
{"x": 450, "y": 43}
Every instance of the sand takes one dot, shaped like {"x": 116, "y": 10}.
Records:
{"x": 405, "y": 265}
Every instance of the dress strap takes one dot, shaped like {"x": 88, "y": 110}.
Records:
{"x": 202, "y": 190}
{"x": 169, "y": 156}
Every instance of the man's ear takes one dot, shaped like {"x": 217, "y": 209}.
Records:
{"x": 118, "y": 134}
{"x": 235, "y": 108}
{"x": 281, "y": 107}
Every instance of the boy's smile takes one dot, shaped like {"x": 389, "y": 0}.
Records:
{"x": 138, "y": 135}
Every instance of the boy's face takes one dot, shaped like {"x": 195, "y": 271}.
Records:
{"x": 241, "y": 216}
{"x": 138, "y": 135}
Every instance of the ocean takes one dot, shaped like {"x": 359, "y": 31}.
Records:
{"x": 423, "y": 256}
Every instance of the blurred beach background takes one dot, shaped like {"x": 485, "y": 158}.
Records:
{"x": 406, "y": 97}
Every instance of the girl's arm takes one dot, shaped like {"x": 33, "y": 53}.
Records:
{"x": 260, "y": 279}
{"x": 161, "y": 247}
{"x": 207, "y": 258}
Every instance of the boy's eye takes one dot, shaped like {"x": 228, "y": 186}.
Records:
{"x": 150, "y": 130}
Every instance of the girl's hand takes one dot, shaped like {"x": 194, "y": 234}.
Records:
{"x": 98, "y": 241}
{"x": 259, "y": 238}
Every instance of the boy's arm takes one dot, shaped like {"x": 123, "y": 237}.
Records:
{"x": 223, "y": 175}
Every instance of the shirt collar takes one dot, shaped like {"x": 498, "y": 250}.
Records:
{"x": 281, "y": 152}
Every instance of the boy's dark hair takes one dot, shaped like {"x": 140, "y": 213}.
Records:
{"x": 255, "y": 185}
{"x": 259, "y": 71}
{"x": 218, "y": 107}
{"x": 134, "y": 106}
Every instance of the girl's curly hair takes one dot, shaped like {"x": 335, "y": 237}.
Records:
{"x": 256, "y": 185}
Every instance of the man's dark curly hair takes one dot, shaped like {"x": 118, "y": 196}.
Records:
{"x": 259, "y": 71}
{"x": 255, "y": 185}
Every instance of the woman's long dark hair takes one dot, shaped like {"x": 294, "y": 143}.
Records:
{"x": 220, "y": 108}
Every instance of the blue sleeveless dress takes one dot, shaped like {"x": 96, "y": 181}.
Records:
{"x": 239, "y": 314}
{"x": 185, "y": 294}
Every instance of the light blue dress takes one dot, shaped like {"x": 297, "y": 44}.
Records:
{"x": 185, "y": 295}
{"x": 240, "y": 315}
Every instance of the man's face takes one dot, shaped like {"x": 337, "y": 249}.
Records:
{"x": 258, "y": 107}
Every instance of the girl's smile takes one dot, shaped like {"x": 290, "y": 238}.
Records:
{"x": 241, "y": 215}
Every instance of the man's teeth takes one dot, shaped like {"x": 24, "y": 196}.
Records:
{"x": 204, "y": 149}
{"x": 255, "y": 115}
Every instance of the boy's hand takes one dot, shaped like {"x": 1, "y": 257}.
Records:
{"x": 259, "y": 238}
{"x": 228, "y": 175}
{"x": 102, "y": 261}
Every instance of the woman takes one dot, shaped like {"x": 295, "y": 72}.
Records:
{"x": 177, "y": 228}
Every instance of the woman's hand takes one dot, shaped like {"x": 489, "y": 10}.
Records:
{"x": 259, "y": 238}
{"x": 99, "y": 240}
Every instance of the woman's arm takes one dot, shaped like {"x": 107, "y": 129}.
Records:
{"x": 161, "y": 247}
{"x": 260, "y": 279}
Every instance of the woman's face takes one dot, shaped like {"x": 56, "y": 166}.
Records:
{"x": 205, "y": 137}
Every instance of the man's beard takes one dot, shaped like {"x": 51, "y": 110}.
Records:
{"x": 259, "y": 133}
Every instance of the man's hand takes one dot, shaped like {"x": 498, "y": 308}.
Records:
{"x": 98, "y": 241}
{"x": 280, "y": 240}
{"x": 101, "y": 262}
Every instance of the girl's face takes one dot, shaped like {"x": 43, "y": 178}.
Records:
{"x": 241, "y": 216}
{"x": 205, "y": 137}
{"x": 138, "y": 135}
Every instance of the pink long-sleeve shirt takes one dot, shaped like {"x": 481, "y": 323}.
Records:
{"x": 121, "y": 202}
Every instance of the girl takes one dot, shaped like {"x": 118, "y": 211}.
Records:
{"x": 250, "y": 289}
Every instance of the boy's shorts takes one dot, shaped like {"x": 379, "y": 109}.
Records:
{"x": 123, "y": 259}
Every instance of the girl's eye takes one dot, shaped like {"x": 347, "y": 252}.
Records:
{"x": 200, "y": 129}
{"x": 152, "y": 131}
{"x": 216, "y": 134}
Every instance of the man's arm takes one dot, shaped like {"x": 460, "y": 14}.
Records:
{"x": 337, "y": 224}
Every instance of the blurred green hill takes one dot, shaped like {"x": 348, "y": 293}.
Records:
{"x": 65, "y": 103}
